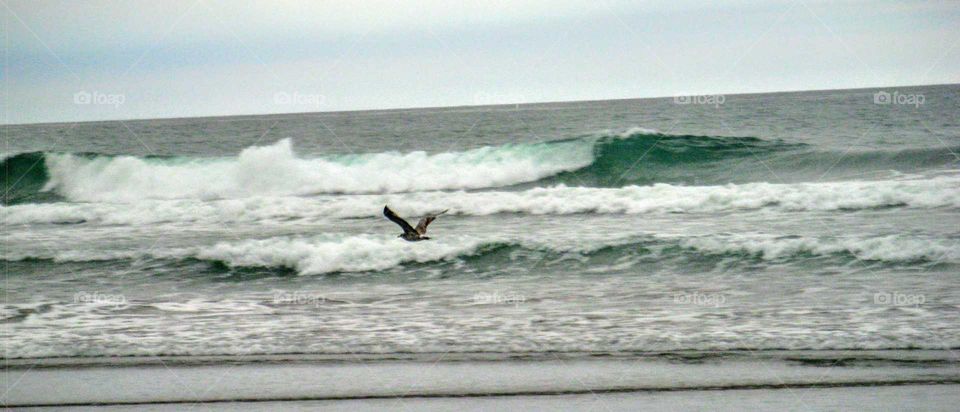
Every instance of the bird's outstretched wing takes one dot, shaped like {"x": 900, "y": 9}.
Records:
{"x": 398, "y": 220}
{"x": 424, "y": 221}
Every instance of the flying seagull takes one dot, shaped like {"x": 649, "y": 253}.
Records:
{"x": 410, "y": 233}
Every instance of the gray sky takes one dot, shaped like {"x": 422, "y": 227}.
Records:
{"x": 92, "y": 60}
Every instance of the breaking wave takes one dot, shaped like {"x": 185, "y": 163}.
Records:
{"x": 364, "y": 253}
{"x": 636, "y": 157}
{"x": 942, "y": 191}
{"x": 276, "y": 170}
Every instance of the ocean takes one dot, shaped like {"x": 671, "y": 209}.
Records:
{"x": 821, "y": 220}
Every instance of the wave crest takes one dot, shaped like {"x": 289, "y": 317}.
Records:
{"x": 942, "y": 191}
{"x": 367, "y": 253}
{"x": 636, "y": 157}
{"x": 276, "y": 170}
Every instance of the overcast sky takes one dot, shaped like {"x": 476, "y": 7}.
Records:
{"x": 93, "y": 60}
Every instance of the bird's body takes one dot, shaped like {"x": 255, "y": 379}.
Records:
{"x": 410, "y": 233}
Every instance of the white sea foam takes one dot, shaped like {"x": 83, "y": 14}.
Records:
{"x": 327, "y": 254}
{"x": 635, "y": 130}
{"x": 276, "y": 170}
{"x": 306, "y": 255}
{"x": 363, "y": 253}
{"x": 352, "y": 254}
{"x": 891, "y": 248}
{"x": 941, "y": 191}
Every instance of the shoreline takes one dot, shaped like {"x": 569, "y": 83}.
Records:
{"x": 805, "y": 356}
{"x": 262, "y": 379}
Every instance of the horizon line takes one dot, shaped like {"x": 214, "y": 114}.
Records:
{"x": 397, "y": 109}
